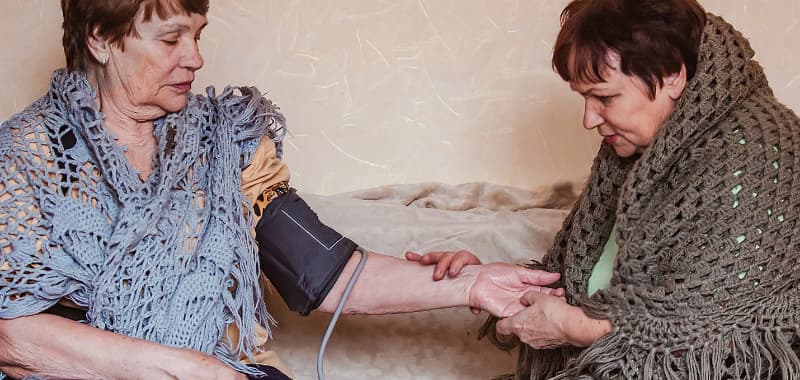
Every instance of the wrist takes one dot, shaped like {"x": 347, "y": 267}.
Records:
{"x": 468, "y": 276}
{"x": 586, "y": 331}
{"x": 147, "y": 360}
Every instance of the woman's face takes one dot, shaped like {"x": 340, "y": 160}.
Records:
{"x": 154, "y": 72}
{"x": 622, "y": 111}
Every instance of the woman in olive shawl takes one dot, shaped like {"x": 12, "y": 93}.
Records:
{"x": 690, "y": 212}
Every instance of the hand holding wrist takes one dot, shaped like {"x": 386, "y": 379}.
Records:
{"x": 498, "y": 288}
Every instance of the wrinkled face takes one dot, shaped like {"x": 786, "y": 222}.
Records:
{"x": 154, "y": 73}
{"x": 621, "y": 110}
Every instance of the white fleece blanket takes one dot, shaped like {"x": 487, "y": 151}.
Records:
{"x": 496, "y": 223}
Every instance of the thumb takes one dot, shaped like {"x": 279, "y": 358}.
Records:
{"x": 503, "y": 326}
{"x": 530, "y": 298}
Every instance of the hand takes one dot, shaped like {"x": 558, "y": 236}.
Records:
{"x": 550, "y": 322}
{"x": 449, "y": 263}
{"x": 180, "y": 363}
{"x": 498, "y": 287}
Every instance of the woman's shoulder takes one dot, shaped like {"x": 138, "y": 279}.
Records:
{"x": 244, "y": 111}
{"x": 759, "y": 120}
{"x": 235, "y": 102}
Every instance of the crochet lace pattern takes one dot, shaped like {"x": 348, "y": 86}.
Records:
{"x": 170, "y": 259}
{"x": 705, "y": 284}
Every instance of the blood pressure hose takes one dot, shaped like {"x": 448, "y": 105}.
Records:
{"x": 338, "y": 311}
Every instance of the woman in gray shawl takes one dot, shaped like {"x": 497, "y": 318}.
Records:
{"x": 125, "y": 196}
{"x": 681, "y": 258}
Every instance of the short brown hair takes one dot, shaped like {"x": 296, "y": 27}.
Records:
{"x": 652, "y": 37}
{"x": 114, "y": 20}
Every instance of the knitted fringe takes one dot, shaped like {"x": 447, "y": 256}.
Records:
{"x": 759, "y": 354}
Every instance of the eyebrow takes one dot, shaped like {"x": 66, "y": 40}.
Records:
{"x": 177, "y": 27}
{"x": 591, "y": 91}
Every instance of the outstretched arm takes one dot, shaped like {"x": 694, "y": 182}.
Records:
{"x": 392, "y": 285}
{"x": 310, "y": 264}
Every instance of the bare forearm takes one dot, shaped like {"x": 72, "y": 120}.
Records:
{"x": 56, "y": 347}
{"x": 391, "y": 285}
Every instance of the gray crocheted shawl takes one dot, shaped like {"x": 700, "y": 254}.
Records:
{"x": 170, "y": 259}
{"x": 705, "y": 284}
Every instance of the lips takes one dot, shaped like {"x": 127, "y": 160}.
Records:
{"x": 182, "y": 87}
{"x": 611, "y": 139}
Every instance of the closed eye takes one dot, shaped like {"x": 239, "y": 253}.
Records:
{"x": 606, "y": 100}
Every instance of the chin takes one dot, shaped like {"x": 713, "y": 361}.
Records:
{"x": 175, "y": 104}
{"x": 624, "y": 152}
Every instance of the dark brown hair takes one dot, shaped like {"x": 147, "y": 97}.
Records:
{"x": 652, "y": 38}
{"x": 114, "y": 20}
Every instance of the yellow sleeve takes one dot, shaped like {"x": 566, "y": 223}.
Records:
{"x": 266, "y": 177}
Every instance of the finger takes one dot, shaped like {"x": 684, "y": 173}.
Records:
{"x": 503, "y": 327}
{"x": 512, "y": 309}
{"x": 412, "y": 256}
{"x": 458, "y": 263}
{"x": 441, "y": 267}
{"x": 461, "y": 260}
{"x": 557, "y": 292}
{"x": 468, "y": 257}
{"x": 475, "y": 310}
{"x": 538, "y": 277}
{"x": 530, "y": 297}
{"x": 560, "y": 292}
{"x": 433, "y": 257}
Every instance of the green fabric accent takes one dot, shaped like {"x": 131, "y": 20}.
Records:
{"x": 604, "y": 268}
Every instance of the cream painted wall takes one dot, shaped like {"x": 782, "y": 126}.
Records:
{"x": 391, "y": 91}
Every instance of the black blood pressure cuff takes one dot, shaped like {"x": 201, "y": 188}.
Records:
{"x": 302, "y": 257}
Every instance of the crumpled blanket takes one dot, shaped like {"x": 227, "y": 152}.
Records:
{"x": 476, "y": 196}
{"x": 496, "y": 223}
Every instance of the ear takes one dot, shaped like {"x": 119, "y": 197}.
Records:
{"x": 99, "y": 47}
{"x": 675, "y": 83}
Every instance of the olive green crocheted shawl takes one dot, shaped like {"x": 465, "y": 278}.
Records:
{"x": 705, "y": 285}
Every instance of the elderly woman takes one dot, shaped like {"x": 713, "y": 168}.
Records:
{"x": 125, "y": 196}
{"x": 690, "y": 209}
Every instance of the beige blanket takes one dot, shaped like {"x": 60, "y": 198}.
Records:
{"x": 496, "y": 223}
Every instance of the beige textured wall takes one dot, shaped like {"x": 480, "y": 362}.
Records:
{"x": 390, "y": 91}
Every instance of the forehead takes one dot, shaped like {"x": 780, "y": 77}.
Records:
{"x": 612, "y": 79}
{"x": 192, "y": 22}
{"x": 587, "y": 70}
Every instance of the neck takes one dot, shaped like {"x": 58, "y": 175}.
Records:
{"x": 132, "y": 132}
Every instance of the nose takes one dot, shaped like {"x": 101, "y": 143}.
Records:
{"x": 591, "y": 117}
{"x": 192, "y": 59}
